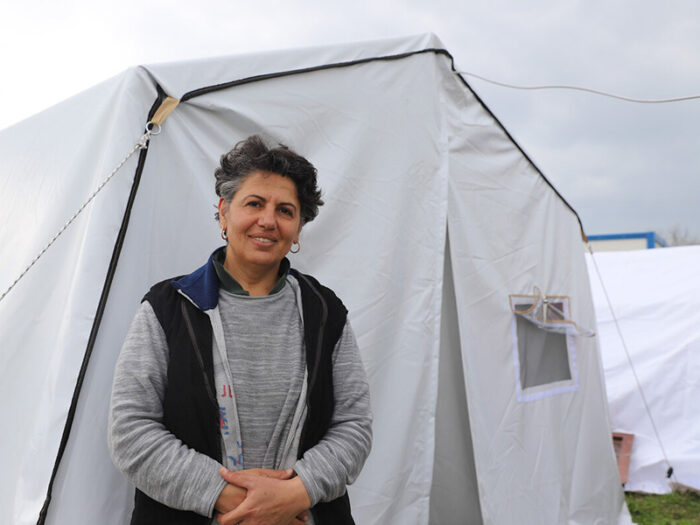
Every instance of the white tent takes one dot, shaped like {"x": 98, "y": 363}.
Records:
{"x": 655, "y": 296}
{"x": 434, "y": 217}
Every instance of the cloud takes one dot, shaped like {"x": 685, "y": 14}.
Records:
{"x": 622, "y": 166}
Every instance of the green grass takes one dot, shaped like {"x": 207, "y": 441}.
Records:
{"x": 664, "y": 509}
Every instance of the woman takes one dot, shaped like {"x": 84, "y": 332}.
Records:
{"x": 244, "y": 364}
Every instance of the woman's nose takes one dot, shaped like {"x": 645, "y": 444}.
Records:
{"x": 266, "y": 218}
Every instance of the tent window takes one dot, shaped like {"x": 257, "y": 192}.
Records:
{"x": 544, "y": 352}
{"x": 543, "y": 356}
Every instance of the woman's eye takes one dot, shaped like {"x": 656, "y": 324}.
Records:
{"x": 253, "y": 204}
{"x": 287, "y": 211}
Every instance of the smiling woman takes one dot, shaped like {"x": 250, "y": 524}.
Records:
{"x": 239, "y": 393}
{"x": 260, "y": 225}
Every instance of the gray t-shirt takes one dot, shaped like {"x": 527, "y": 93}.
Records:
{"x": 268, "y": 369}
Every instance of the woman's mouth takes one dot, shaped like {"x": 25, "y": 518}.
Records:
{"x": 262, "y": 239}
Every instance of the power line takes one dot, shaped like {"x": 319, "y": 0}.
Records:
{"x": 585, "y": 89}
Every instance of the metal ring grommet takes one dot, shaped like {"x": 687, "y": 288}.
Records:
{"x": 153, "y": 128}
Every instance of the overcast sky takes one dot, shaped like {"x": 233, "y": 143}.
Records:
{"x": 624, "y": 167}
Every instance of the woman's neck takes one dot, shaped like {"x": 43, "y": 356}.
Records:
{"x": 257, "y": 281}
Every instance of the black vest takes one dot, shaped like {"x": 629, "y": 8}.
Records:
{"x": 190, "y": 409}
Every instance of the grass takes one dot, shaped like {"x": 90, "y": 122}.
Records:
{"x": 677, "y": 508}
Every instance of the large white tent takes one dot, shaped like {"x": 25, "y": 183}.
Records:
{"x": 651, "y": 358}
{"x": 436, "y": 228}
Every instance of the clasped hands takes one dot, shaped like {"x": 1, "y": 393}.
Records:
{"x": 262, "y": 497}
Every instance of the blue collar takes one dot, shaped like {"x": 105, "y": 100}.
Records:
{"x": 201, "y": 286}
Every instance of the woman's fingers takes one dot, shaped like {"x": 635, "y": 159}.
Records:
{"x": 268, "y": 501}
{"x": 241, "y": 479}
{"x": 229, "y": 475}
{"x": 270, "y": 473}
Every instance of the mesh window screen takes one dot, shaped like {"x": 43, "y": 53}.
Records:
{"x": 543, "y": 355}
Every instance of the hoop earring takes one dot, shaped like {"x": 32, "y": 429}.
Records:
{"x": 298, "y": 247}
{"x": 224, "y": 235}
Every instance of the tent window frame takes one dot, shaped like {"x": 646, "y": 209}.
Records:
{"x": 542, "y": 391}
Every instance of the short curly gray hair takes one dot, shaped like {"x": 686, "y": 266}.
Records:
{"x": 252, "y": 154}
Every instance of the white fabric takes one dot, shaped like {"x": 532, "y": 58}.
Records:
{"x": 549, "y": 460}
{"x": 50, "y": 164}
{"x": 403, "y": 150}
{"x": 655, "y": 296}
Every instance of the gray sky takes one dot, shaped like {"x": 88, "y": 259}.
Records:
{"x": 624, "y": 167}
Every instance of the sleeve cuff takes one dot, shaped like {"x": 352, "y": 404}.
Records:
{"x": 216, "y": 490}
{"x": 311, "y": 488}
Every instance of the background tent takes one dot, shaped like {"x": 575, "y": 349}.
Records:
{"x": 434, "y": 218}
{"x": 655, "y": 296}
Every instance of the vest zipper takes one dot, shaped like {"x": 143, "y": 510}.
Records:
{"x": 198, "y": 353}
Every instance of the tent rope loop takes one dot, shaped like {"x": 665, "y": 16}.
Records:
{"x": 547, "y": 312}
{"x": 142, "y": 143}
{"x": 153, "y": 128}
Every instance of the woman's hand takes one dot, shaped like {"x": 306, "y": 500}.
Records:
{"x": 268, "y": 501}
{"x": 231, "y": 496}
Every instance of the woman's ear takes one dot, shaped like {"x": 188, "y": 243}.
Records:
{"x": 223, "y": 208}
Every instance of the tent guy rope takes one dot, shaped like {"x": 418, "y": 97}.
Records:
{"x": 142, "y": 143}
{"x": 669, "y": 471}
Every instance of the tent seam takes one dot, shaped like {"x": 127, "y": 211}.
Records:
{"x": 438, "y": 51}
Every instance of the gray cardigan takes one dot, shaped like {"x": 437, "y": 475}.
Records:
{"x": 160, "y": 465}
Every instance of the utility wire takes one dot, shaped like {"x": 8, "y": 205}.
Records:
{"x": 585, "y": 89}
{"x": 669, "y": 471}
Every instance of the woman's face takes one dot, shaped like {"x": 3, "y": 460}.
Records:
{"x": 262, "y": 221}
